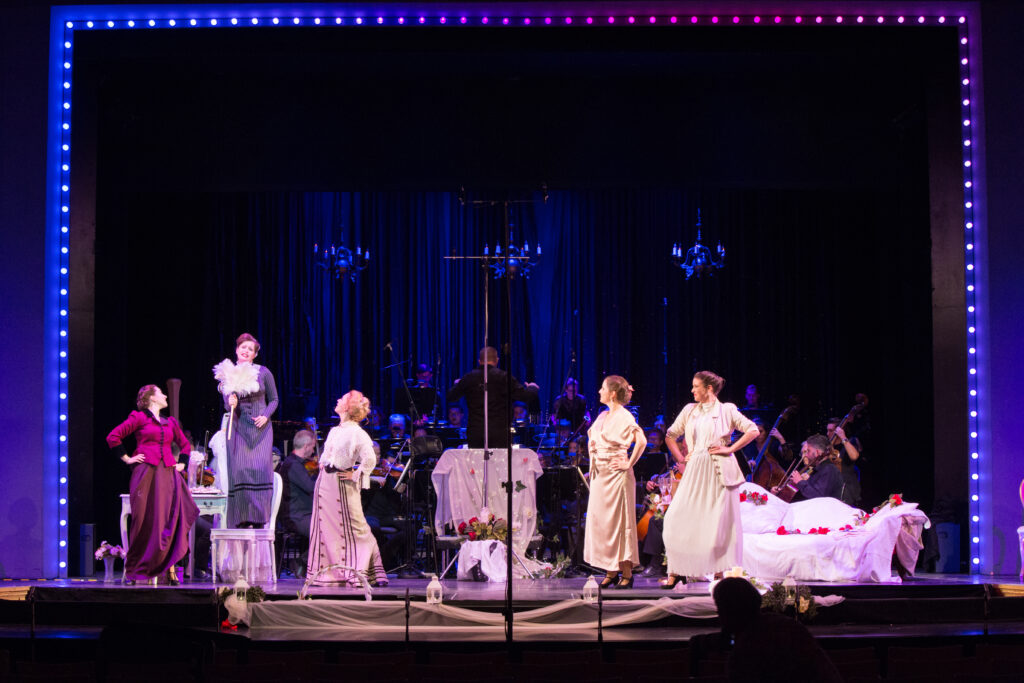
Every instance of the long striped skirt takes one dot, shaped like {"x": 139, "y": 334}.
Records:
{"x": 250, "y": 472}
{"x": 340, "y": 535}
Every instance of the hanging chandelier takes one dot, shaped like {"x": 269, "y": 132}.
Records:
{"x": 341, "y": 261}
{"x": 698, "y": 260}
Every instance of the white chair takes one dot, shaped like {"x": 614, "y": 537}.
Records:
{"x": 250, "y": 540}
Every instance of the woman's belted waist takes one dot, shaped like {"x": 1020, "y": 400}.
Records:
{"x": 610, "y": 452}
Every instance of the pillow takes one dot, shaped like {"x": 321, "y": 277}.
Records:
{"x": 818, "y": 512}
{"x": 760, "y": 519}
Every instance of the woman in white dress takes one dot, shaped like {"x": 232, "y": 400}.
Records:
{"x": 340, "y": 540}
{"x": 703, "y": 532}
{"x": 611, "y": 542}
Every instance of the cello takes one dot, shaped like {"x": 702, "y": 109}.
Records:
{"x": 767, "y": 472}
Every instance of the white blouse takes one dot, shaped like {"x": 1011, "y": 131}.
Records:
{"x": 349, "y": 447}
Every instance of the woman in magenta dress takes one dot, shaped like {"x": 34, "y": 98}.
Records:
{"x": 163, "y": 511}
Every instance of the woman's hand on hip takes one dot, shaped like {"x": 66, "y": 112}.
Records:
{"x": 720, "y": 450}
{"x": 260, "y": 421}
{"x": 135, "y": 459}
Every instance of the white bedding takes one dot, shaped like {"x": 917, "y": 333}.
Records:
{"x": 863, "y": 553}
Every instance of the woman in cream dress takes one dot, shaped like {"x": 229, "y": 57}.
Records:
{"x": 338, "y": 533}
{"x": 703, "y": 533}
{"x": 611, "y": 542}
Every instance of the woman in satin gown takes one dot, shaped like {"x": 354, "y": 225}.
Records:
{"x": 611, "y": 541}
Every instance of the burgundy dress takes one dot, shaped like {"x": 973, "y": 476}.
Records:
{"x": 163, "y": 511}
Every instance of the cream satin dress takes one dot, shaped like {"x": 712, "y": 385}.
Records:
{"x": 611, "y": 514}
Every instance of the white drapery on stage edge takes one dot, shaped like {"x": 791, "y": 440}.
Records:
{"x": 268, "y": 618}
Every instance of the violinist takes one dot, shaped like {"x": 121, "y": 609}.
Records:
{"x": 822, "y": 477}
{"x": 849, "y": 452}
{"x": 297, "y": 495}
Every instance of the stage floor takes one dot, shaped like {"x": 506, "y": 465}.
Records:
{"x": 924, "y": 606}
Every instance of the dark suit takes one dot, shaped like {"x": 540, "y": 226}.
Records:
{"x": 471, "y": 387}
{"x": 826, "y": 480}
{"x": 297, "y": 496}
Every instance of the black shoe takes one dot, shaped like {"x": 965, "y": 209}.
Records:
{"x": 477, "y": 573}
{"x": 609, "y": 580}
{"x": 673, "y": 579}
{"x": 654, "y": 570}
{"x": 625, "y": 583}
{"x": 172, "y": 577}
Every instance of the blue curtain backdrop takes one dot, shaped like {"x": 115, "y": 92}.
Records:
{"x": 824, "y": 294}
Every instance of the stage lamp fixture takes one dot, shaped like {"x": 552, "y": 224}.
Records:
{"x": 341, "y": 261}
{"x": 698, "y": 259}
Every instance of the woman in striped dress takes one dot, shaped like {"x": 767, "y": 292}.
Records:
{"x": 340, "y": 540}
{"x": 250, "y": 459}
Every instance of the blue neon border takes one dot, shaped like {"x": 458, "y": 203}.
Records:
{"x": 184, "y": 17}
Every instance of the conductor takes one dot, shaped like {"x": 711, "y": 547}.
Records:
{"x": 471, "y": 387}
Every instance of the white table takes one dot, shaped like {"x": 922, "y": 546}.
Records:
{"x": 208, "y": 501}
{"x": 459, "y": 484}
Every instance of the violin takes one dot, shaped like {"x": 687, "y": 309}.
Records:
{"x": 767, "y": 472}
{"x": 644, "y": 522}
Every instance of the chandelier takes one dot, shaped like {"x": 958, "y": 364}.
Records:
{"x": 698, "y": 259}
{"x": 341, "y": 261}
{"x": 516, "y": 261}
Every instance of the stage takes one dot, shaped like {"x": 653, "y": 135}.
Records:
{"x": 926, "y": 605}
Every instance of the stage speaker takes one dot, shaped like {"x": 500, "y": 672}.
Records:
{"x": 949, "y": 548}
{"x": 86, "y": 548}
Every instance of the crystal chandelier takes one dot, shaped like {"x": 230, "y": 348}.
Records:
{"x": 698, "y": 259}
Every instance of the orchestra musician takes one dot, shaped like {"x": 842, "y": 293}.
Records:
{"x": 849, "y": 452}
{"x": 569, "y": 405}
{"x": 471, "y": 387}
{"x": 455, "y": 416}
{"x": 822, "y": 477}
{"x": 298, "y": 474}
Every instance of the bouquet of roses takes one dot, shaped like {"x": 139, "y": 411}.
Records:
{"x": 489, "y": 529}
{"x": 107, "y": 550}
{"x": 753, "y": 497}
{"x": 657, "y": 503}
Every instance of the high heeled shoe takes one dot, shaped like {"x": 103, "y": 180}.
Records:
{"x": 624, "y": 582}
{"x": 608, "y": 581}
{"x": 670, "y": 582}
{"x": 172, "y": 577}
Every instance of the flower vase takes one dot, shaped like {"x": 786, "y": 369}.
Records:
{"x": 108, "y": 569}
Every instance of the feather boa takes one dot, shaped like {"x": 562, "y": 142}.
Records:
{"x": 236, "y": 379}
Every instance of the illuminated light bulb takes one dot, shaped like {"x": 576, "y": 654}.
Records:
{"x": 152, "y": 22}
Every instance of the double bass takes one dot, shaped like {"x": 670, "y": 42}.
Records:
{"x": 767, "y": 471}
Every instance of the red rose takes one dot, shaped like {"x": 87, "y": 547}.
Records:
{"x": 472, "y": 535}
{"x": 796, "y": 531}
{"x": 813, "y": 531}
{"x": 490, "y": 519}
{"x": 764, "y": 497}
{"x": 781, "y": 531}
{"x": 743, "y": 496}
{"x": 896, "y": 499}
{"x": 462, "y": 528}
{"x": 473, "y": 520}
{"x": 823, "y": 530}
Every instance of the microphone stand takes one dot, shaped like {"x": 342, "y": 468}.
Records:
{"x": 409, "y": 570}
{"x": 507, "y": 310}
